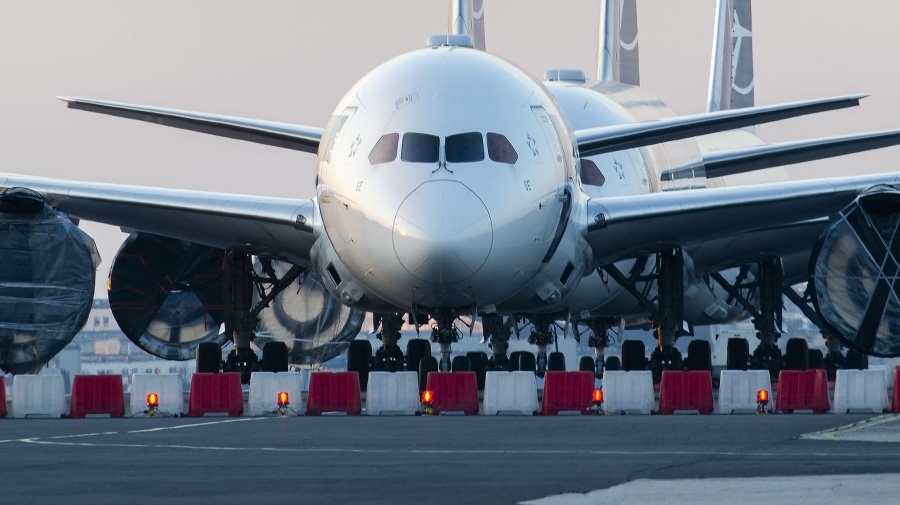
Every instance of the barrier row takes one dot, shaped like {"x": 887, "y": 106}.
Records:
{"x": 504, "y": 392}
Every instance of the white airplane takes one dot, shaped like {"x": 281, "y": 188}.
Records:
{"x": 450, "y": 184}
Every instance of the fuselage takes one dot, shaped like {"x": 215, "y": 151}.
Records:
{"x": 448, "y": 178}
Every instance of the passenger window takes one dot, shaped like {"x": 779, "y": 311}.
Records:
{"x": 500, "y": 150}
{"x": 464, "y": 148}
{"x": 420, "y": 148}
{"x": 385, "y": 149}
{"x": 591, "y": 174}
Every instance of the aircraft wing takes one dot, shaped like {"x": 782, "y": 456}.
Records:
{"x": 620, "y": 227}
{"x": 606, "y": 139}
{"x": 277, "y": 227}
{"x": 289, "y": 136}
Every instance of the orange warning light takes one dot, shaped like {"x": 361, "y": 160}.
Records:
{"x": 597, "y": 396}
{"x": 283, "y": 399}
{"x": 152, "y": 400}
{"x": 427, "y": 396}
{"x": 762, "y": 396}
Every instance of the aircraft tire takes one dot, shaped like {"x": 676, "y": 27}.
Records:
{"x": 527, "y": 362}
{"x": 514, "y": 361}
{"x": 209, "y": 357}
{"x": 275, "y": 357}
{"x": 699, "y": 355}
{"x": 738, "y": 354}
{"x": 479, "y": 362}
{"x": 416, "y": 349}
{"x": 359, "y": 358}
{"x": 796, "y": 354}
{"x": 556, "y": 362}
{"x": 426, "y": 364}
{"x": 633, "y": 355}
{"x": 856, "y": 360}
{"x": 460, "y": 364}
{"x": 613, "y": 364}
{"x": 586, "y": 364}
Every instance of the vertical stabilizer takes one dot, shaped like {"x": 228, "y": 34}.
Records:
{"x": 617, "y": 52}
{"x": 467, "y": 18}
{"x": 731, "y": 72}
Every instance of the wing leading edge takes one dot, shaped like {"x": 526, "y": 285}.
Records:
{"x": 277, "y": 227}
{"x": 619, "y": 227}
{"x": 288, "y": 136}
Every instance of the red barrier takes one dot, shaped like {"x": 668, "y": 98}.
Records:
{"x": 691, "y": 390}
{"x": 333, "y": 392}
{"x": 97, "y": 394}
{"x": 216, "y": 393}
{"x": 567, "y": 391}
{"x": 454, "y": 392}
{"x": 802, "y": 390}
{"x": 895, "y": 403}
{"x": 2, "y": 397}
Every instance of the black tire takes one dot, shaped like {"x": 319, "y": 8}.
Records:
{"x": 634, "y": 356}
{"x": 587, "y": 364}
{"x": 416, "y": 349}
{"x": 479, "y": 362}
{"x": 275, "y": 357}
{"x": 426, "y": 364}
{"x": 856, "y": 360}
{"x": 527, "y": 362}
{"x": 738, "y": 357}
{"x": 796, "y": 355}
{"x": 460, "y": 364}
{"x": 359, "y": 360}
{"x": 209, "y": 357}
{"x": 514, "y": 361}
{"x": 816, "y": 359}
{"x": 613, "y": 364}
{"x": 699, "y": 356}
{"x": 556, "y": 362}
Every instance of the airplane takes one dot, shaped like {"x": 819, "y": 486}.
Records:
{"x": 450, "y": 184}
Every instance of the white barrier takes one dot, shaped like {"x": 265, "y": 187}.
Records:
{"x": 168, "y": 387}
{"x": 38, "y": 395}
{"x": 860, "y": 390}
{"x": 510, "y": 392}
{"x": 392, "y": 392}
{"x": 738, "y": 389}
{"x": 888, "y": 373}
{"x": 628, "y": 391}
{"x": 264, "y": 389}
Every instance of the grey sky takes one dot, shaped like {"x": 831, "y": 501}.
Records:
{"x": 293, "y": 60}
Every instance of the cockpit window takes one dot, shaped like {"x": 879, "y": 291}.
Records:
{"x": 385, "y": 149}
{"x": 591, "y": 174}
{"x": 500, "y": 150}
{"x": 464, "y": 148}
{"x": 420, "y": 148}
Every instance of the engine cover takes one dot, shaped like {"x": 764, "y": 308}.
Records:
{"x": 314, "y": 325}
{"x": 166, "y": 294}
{"x": 855, "y": 274}
{"x": 47, "y": 273}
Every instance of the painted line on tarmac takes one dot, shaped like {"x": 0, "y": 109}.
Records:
{"x": 195, "y": 425}
{"x": 854, "y": 431}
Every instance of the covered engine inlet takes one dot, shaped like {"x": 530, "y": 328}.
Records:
{"x": 854, "y": 271}
{"x": 47, "y": 273}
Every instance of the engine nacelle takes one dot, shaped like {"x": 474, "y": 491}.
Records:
{"x": 47, "y": 273}
{"x": 314, "y": 325}
{"x": 855, "y": 274}
{"x": 167, "y": 297}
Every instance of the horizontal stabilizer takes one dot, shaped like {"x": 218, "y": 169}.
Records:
{"x": 606, "y": 139}
{"x": 621, "y": 227}
{"x": 738, "y": 161}
{"x": 299, "y": 138}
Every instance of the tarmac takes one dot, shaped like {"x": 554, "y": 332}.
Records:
{"x": 559, "y": 460}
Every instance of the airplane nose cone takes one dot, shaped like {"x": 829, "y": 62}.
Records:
{"x": 442, "y": 232}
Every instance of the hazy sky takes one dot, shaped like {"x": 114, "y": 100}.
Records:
{"x": 293, "y": 60}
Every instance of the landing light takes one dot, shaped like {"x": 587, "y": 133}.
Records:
{"x": 762, "y": 401}
{"x": 428, "y": 402}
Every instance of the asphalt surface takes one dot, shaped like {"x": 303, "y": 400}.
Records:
{"x": 444, "y": 459}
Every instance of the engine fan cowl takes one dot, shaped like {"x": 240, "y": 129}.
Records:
{"x": 855, "y": 274}
{"x": 47, "y": 272}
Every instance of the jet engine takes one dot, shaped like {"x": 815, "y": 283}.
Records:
{"x": 47, "y": 272}
{"x": 167, "y": 297}
{"x": 314, "y": 325}
{"x": 855, "y": 273}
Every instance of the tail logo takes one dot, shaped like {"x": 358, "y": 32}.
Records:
{"x": 738, "y": 34}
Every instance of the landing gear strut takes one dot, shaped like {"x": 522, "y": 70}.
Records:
{"x": 499, "y": 334}
{"x": 389, "y": 358}
{"x": 541, "y": 336}
{"x": 444, "y": 334}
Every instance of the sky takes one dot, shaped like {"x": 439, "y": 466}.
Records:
{"x": 292, "y": 61}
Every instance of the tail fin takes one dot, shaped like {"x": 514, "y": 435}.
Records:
{"x": 467, "y": 18}
{"x": 731, "y": 73}
{"x": 617, "y": 51}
